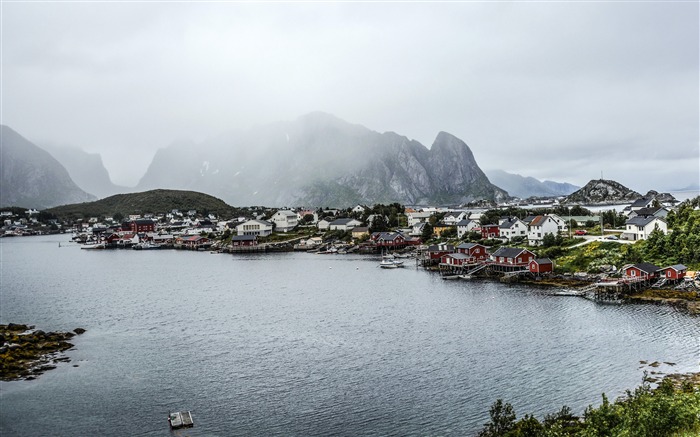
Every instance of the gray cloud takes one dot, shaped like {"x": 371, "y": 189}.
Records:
{"x": 551, "y": 90}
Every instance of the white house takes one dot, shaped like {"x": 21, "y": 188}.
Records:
{"x": 323, "y": 224}
{"x": 344, "y": 224}
{"x": 260, "y": 228}
{"x": 285, "y": 220}
{"x": 639, "y": 228}
{"x": 542, "y": 225}
{"x": 452, "y": 218}
{"x": 466, "y": 225}
{"x": 511, "y": 228}
{"x": 359, "y": 209}
{"x": 418, "y": 217}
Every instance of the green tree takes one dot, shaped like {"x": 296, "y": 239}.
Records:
{"x": 502, "y": 420}
{"x": 427, "y": 233}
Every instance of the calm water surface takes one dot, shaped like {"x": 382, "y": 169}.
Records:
{"x": 302, "y": 344}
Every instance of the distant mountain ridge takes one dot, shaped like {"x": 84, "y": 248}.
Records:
{"x": 603, "y": 191}
{"x": 30, "y": 177}
{"x": 320, "y": 160}
{"x": 524, "y": 187}
{"x": 86, "y": 170}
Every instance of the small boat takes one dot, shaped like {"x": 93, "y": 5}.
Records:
{"x": 180, "y": 419}
{"x": 568, "y": 292}
{"x": 388, "y": 264}
{"x": 465, "y": 276}
{"x": 94, "y": 246}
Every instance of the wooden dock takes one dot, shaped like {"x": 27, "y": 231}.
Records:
{"x": 180, "y": 419}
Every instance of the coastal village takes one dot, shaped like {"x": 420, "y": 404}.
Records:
{"x": 502, "y": 243}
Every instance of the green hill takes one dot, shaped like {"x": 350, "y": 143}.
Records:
{"x": 153, "y": 201}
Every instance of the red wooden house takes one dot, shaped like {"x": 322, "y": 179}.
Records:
{"x": 475, "y": 251}
{"x": 513, "y": 256}
{"x": 392, "y": 240}
{"x": 142, "y": 225}
{"x": 437, "y": 251}
{"x": 674, "y": 273}
{"x": 541, "y": 265}
{"x": 641, "y": 271}
{"x": 490, "y": 231}
{"x": 195, "y": 242}
{"x": 455, "y": 259}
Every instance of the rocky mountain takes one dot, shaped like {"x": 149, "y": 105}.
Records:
{"x": 524, "y": 187}
{"x": 602, "y": 191}
{"x": 30, "y": 177}
{"x": 320, "y": 160}
{"x": 86, "y": 170}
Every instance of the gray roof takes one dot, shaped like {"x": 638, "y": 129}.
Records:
{"x": 469, "y": 245}
{"x": 643, "y": 221}
{"x": 543, "y": 261}
{"x": 464, "y": 222}
{"x": 459, "y": 255}
{"x": 677, "y": 267}
{"x": 648, "y": 211}
{"x": 509, "y": 252}
{"x": 646, "y": 267}
{"x": 508, "y": 223}
{"x": 342, "y": 221}
{"x": 639, "y": 203}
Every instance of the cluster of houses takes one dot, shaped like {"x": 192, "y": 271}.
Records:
{"x": 473, "y": 258}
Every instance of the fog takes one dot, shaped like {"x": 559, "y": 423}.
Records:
{"x": 559, "y": 91}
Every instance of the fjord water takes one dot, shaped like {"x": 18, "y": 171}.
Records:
{"x": 304, "y": 344}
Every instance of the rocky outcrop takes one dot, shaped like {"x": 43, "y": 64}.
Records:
{"x": 31, "y": 178}
{"x": 26, "y": 353}
{"x": 602, "y": 191}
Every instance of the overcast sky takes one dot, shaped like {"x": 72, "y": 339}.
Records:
{"x": 560, "y": 91}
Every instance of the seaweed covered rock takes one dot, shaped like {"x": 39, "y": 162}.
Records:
{"x": 26, "y": 353}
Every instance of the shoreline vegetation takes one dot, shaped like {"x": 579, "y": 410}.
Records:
{"x": 26, "y": 352}
{"x": 671, "y": 409}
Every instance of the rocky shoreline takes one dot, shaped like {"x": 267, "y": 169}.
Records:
{"x": 26, "y": 352}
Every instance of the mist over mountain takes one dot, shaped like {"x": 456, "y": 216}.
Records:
{"x": 524, "y": 187}
{"x": 30, "y": 177}
{"x": 320, "y": 160}
{"x": 86, "y": 169}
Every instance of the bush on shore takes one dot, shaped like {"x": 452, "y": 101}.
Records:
{"x": 666, "y": 411}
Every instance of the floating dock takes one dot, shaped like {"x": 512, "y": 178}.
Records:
{"x": 180, "y": 419}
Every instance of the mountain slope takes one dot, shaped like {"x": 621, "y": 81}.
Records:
{"x": 86, "y": 170}
{"x": 602, "y": 191}
{"x": 320, "y": 160}
{"x": 154, "y": 201}
{"x": 524, "y": 187}
{"x": 30, "y": 177}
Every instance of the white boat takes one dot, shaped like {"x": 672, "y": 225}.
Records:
{"x": 93, "y": 246}
{"x": 388, "y": 264}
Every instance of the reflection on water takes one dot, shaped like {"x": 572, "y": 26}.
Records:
{"x": 301, "y": 344}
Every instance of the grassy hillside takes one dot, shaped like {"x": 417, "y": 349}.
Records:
{"x": 154, "y": 201}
